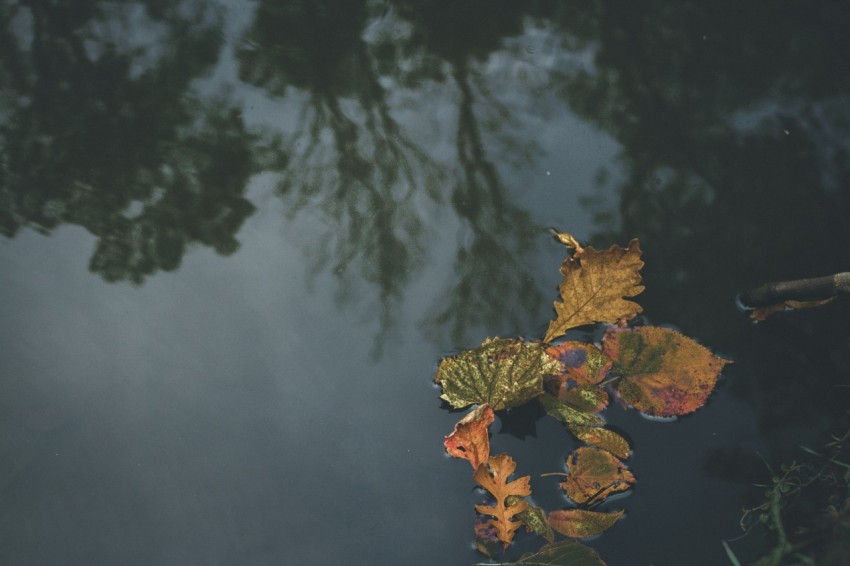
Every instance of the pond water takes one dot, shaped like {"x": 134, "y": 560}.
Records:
{"x": 238, "y": 237}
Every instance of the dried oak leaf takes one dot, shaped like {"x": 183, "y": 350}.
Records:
{"x": 581, "y": 523}
{"x": 502, "y": 372}
{"x": 584, "y": 366}
{"x": 562, "y": 553}
{"x": 664, "y": 373}
{"x": 594, "y": 286}
{"x": 493, "y": 477}
{"x": 594, "y": 474}
{"x": 471, "y": 439}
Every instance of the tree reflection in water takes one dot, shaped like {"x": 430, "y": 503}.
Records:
{"x": 104, "y": 131}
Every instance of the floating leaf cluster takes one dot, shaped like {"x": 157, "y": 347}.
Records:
{"x": 657, "y": 371}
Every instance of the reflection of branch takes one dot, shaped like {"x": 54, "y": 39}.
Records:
{"x": 814, "y": 289}
{"x": 489, "y": 272}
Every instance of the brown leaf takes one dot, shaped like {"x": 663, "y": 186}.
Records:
{"x": 604, "y": 438}
{"x": 493, "y": 477}
{"x": 762, "y": 313}
{"x": 470, "y": 439}
{"x": 581, "y": 523}
{"x": 664, "y": 372}
{"x": 594, "y": 474}
{"x": 594, "y": 285}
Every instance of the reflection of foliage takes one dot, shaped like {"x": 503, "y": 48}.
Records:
{"x": 807, "y": 509}
{"x": 738, "y": 122}
{"x": 659, "y": 372}
{"x": 353, "y": 161}
{"x": 106, "y": 134}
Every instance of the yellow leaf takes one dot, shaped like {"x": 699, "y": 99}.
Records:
{"x": 594, "y": 285}
{"x": 604, "y": 438}
{"x": 493, "y": 477}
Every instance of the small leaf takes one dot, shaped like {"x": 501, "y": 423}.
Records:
{"x": 503, "y": 373}
{"x": 470, "y": 438}
{"x": 486, "y": 538}
{"x": 569, "y": 414}
{"x": 534, "y": 519}
{"x": 664, "y": 372}
{"x": 604, "y": 438}
{"x": 563, "y": 553}
{"x": 581, "y": 523}
{"x": 594, "y": 285}
{"x": 584, "y": 366}
{"x": 594, "y": 474}
{"x": 493, "y": 477}
{"x": 762, "y": 313}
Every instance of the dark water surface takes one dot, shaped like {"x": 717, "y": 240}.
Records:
{"x": 238, "y": 237}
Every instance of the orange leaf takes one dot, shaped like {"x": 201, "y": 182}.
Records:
{"x": 493, "y": 477}
{"x": 594, "y": 285}
{"x": 470, "y": 439}
{"x": 594, "y": 474}
{"x": 664, "y": 373}
{"x": 581, "y": 523}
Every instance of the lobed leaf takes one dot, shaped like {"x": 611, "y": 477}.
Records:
{"x": 494, "y": 477}
{"x": 594, "y": 286}
{"x": 502, "y": 373}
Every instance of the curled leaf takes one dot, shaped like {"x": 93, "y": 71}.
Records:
{"x": 493, "y": 477}
{"x": 500, "y": 372}
{"x": 594, "y": 286}
{"x": 581, "y": 523}
{"x": 594, "y": 474}
{"x": 471, "y": 439}
{"x": 664, "y": 373}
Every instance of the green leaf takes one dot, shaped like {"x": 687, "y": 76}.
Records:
{"x": 534, "y": 519}
{"x": 568, "y": 413}
{"x": 562, "y": 553}
{"x": 581, "y": 523}
{"x": 503, "y": 373}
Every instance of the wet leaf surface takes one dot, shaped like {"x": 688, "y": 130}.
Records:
{"x": 569, "y": 414}
{"x": 500, "y": 372}
{"x": 594, "y": 474}
{"x": 594, "y": 286}
{"x": 471, "y": 439}
{"x": 664, "y": 373}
